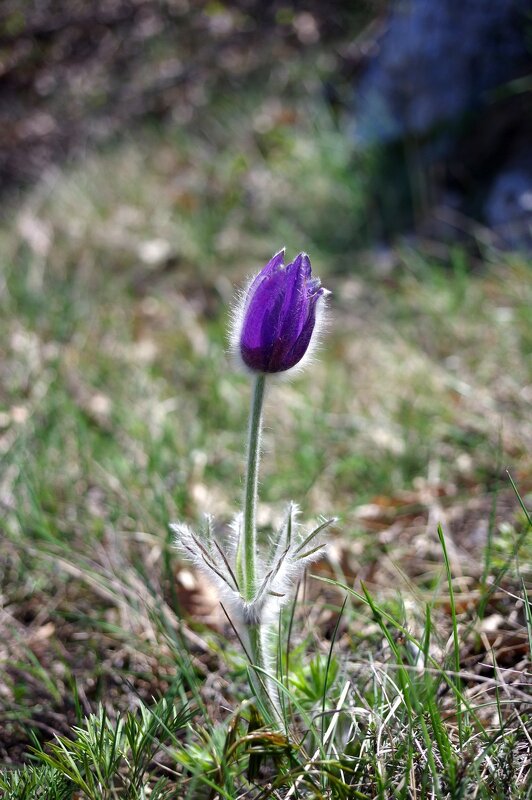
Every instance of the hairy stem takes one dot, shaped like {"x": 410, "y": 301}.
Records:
{"x": 259, "y": 678}
{"x": 248, "y": 566}
{"x": 246, "y": 557}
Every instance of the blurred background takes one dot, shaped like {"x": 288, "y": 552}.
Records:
{"x": 154, "y": 154}
{"x": 435, "y": 96}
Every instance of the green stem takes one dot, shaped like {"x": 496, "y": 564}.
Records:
{"x": 249, "y": 544}
{"x": 258, "y": 677}
{"x": 246, "y": 557}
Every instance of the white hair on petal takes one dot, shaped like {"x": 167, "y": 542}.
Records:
{"x": 311, "y": 352}
{"x": 237, "y": 315}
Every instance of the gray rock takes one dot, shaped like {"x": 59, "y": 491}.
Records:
{"x": 508, "y": 205}
{"x": 437, "y": 60}
{"x": 450, "y": 79}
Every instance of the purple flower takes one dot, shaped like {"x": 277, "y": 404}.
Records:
{"x": 276, "y": 322}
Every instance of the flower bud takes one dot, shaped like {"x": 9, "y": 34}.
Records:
{"x": 277, "y": 320}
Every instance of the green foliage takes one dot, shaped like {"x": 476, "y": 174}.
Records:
{"x": 312, "y": 680}
{"x": 35, "y": 783}
{"x": 107, "y": 758}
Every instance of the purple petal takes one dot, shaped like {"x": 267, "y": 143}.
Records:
{"x": 263, "y": 309}
{"x": 273, "y": 265}
{"x": 300, "y": 346}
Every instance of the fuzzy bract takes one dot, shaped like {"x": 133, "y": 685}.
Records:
{"x": 291, "y": 550}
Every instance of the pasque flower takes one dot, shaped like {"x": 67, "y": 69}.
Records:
{"x": 276, "y": 322}
{"x": 275, "y": 326}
